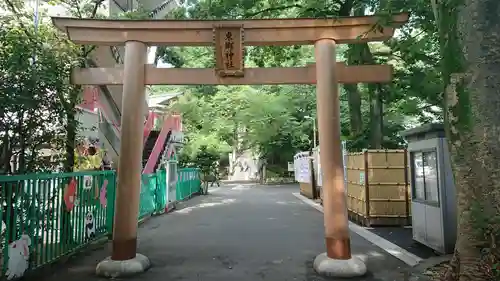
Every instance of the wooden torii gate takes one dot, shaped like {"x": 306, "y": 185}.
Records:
{"x": 228, "y": 37}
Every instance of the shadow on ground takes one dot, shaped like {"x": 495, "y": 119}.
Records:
{"x": 239, "y": 232}
{"x": 403, "y": 238}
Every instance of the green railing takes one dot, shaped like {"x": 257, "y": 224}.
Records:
{"x": 153, "y": 194}
{"x": 48, "y": 216}
{"x": 154, "y": 188}
{"x": 188, "y": 183}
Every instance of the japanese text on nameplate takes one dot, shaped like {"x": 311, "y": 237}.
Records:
{"x": 229, "y": 50}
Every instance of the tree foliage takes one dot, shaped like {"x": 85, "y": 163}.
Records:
{"x": 273, "y": 119}
{"x": 35, "y": 93}
{"x": 39, "y": 102}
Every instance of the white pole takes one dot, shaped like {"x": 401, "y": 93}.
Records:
{"x": 35, "y": 22}
{"x": 344, "y": 153}
{"x": 167, "y": 178}
{"x": 314, "y": 136}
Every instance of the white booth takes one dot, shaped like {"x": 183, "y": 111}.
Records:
{"x": 433, "y": 205}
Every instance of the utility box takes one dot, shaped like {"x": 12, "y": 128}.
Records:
{"x": 433, "y": 201}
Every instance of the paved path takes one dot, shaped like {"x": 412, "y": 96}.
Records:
{"x": 238, "y": 233}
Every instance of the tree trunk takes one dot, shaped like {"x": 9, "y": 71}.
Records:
{"x": 353, "y": 94}
{"x": 22, "y": 144}
{"x": 471, "y": 68}
{"x": 6, "y": 153}
{"x": 361, "y": 54}
{"x": 354, "y": 102}
{"x": 71, "y": 131}
{"x": 376, "y": 117}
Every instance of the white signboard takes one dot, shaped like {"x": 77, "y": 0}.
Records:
{"x": 177, "y": 138}
{"x": 319, "y": 173}
{"x": 291, "y": 167}
{"x": 317, "y": 166}
{"x": 344, "y": 153}
{"x": 301, "y": 167}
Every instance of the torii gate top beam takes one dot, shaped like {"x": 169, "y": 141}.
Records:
{"x": 258, "y": 32}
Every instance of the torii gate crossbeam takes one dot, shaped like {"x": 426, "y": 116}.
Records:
{"x": 253, "y": 76}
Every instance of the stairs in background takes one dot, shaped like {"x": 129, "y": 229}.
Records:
{"x": 149, "y": 146}
{"x": 148, "y": 126}
{"x": 170, "y": 123}
{"x": 110, "y": 97}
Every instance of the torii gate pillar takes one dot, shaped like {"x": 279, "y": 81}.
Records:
{"x": 124, "y": 259}
{"x": 337, "y": 261}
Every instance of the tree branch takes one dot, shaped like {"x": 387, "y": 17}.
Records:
{"x": 272, "y": 9}
{"x": 87, "y": 51}
{"x": 346, "y": 8}
{"x": 76, "y": 4}
{"x": 98, "y": 3}
{"x": 12, "y": 9}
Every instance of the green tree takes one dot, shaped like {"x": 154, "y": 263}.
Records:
{"x": 33, "y": 92}
{"x": 37, "y": 64}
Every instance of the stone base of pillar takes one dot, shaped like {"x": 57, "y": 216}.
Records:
{"x": 114, "y": 269}
{"x": 326, "y": 266}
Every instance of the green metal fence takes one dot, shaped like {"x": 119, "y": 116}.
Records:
{"x": 188, "y": 183}
{"x": 153, "y": 194}
{"x": 154, "y": 189}
{"x": 47, "y": 216}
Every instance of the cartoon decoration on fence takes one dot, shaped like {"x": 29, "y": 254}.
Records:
{"x": 19, "y": 254}
{"x": 89, "y": 226}
{"x": 102, "y": 194}
{"x": 70, "y": 198}
{"x": 87, "y": 182}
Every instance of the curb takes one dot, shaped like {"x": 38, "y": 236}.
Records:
{"x": 391, "y": 248}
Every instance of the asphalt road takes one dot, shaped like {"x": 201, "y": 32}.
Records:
{"x": 237, "y": 233}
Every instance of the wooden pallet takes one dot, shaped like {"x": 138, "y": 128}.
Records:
{"x": 378, "y": 221}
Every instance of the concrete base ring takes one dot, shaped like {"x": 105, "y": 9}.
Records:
{"x": 325, "y": 266}
{"x": 113, "y": 269}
